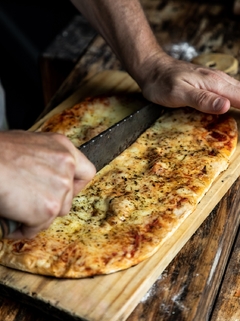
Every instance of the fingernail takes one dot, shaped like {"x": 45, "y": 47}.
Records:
{"x": 218, "y": 104}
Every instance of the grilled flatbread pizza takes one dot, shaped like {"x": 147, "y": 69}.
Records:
{"x": 135, "y": 203}
{"x": 92, "y": 116}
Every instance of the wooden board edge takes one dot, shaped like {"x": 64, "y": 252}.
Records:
{"x": 184, "y": 232}
{"x": 136, "y": 288}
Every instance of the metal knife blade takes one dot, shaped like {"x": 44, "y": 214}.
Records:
{"x": 103, "y": 148}
{"x": 7, "y": 227}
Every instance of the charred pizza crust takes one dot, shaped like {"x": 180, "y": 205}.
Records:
{"x": 135, "y": 203}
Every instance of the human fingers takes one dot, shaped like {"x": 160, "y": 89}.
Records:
{"x": 57, "y": 206}
{"x": 212, "y": 92}
{"x": 206, "y": 101}
{"x": 81, "y": 169}
{"x": 218, "y": 90}
{"x": 84, "y": 172}
{"x": 79, "y": 172}
{"x": 44, "y": 179}
{"x": 201, "y": 88}
{"x": 25, "y": 231}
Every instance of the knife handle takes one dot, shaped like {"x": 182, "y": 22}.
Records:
{"x": 7, "y": 227}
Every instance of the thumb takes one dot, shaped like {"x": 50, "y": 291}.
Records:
{"x": 208, "y": 102}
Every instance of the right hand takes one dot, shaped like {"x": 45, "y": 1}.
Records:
{"x": 174, "y": 83}
{"x": 40, "y": 174}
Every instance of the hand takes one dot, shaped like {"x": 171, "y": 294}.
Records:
{"x": 174, "y": 83}
{"x": 40, "y": 175}
{"x": 163, "y": 79}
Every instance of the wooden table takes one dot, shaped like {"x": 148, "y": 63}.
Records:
{"x": 203, "y": 281}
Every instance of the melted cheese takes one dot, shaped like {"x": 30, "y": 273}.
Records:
{"x": 92, "y": 116}
{"x": 161, "y": 177}
{"x": 136, "y": 202}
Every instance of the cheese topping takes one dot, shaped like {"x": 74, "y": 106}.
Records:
{"x": 92, "y": 116}
{"x": 134, "y": 203}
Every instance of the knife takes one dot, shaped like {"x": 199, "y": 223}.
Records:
{"x": 103, "y": 148}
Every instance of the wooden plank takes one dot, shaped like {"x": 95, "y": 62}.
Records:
{"x": 98, "y": 57}
{"x": 12, "y": 308}
{"x": 116, "y": 295}
{"x": 228, "y": 303}
{"x": 60, "y": 57}
{"x": 179, "y": 290}
{"x": 189, "y": 285}
{"x": 181, "y": 35}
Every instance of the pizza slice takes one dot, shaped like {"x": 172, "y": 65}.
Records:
{"x": 135, "y": 203}
{"x": 92, "y": 116}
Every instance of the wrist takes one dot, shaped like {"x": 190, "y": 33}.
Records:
{"x": 148, "y": 70}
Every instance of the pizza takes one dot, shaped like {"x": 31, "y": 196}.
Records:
{"x": 92, "y": 116}
{"x": 135, "y": 203}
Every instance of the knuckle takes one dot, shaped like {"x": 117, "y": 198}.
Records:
{"x": 202, "y": 98}
{"x": 65, "y": 166}
{"x": 66, "y": 159}
{"x": 52, "y": 208}
{"x": 59, "y": 137}
{"x": 213, "y": 75}
{"x": 65, "y": 186}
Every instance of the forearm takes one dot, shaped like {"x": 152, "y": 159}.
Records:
{"x": 162, "y": 79}
{"x": 124, "y": 26}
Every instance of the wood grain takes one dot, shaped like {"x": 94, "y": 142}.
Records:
{"x": 98, "y": 57}
{"x": 228, "y": 302}
{"x": 189, "y": 285}
{"x": 14, "y": 309}
{"x": 184, "y": 29}
{"x": 116, "y": 295}
{"x": 60, "y": 57}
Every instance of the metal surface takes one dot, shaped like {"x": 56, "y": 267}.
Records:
{"x": 7, "y": 227}
{"x": 106, "y": 146}
{"x": 109, "y": 144}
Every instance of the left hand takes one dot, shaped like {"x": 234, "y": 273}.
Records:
{"x": 174, "y": 83}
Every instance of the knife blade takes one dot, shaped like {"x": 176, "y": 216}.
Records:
{"x": 103, "y": 148}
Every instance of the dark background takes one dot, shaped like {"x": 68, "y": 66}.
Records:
{"x": 26, "y": 29}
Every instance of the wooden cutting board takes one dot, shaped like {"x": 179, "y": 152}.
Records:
{"x": 112, "y": 297}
